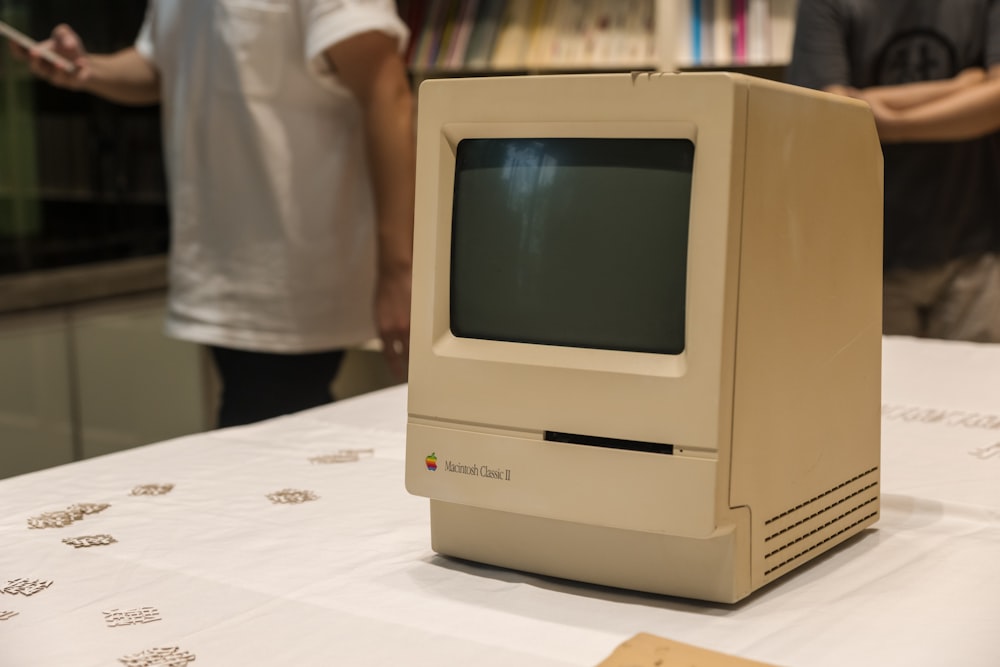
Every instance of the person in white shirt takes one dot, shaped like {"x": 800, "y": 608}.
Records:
{"x": 289, "y": 146}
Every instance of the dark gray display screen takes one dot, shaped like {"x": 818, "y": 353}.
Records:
{"x": 572, "y": 242}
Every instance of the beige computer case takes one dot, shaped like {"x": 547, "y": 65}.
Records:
{"x": 794, "y": 469}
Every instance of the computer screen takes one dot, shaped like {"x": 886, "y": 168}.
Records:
{"x": 572, "y": 241}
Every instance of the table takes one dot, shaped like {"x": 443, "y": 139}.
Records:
{"x": 213, "y": 572}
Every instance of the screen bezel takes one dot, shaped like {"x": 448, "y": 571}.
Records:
{"x": 447, "y": 344}
{"x": 683, "y": 399}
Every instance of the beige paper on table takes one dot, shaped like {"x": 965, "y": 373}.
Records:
{"x": 646, "y": 650}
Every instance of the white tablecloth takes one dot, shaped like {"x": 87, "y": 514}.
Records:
{"x": 222, "y": 574}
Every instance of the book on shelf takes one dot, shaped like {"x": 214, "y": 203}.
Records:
{"x": 541, "y": 34}
{"x": 412, "y": 12}
{"x": 684, "y": 45}
{"x": 624, "y": 33}
{"x": 647, "y": 32}
{"x": 696, "y": 32}
{"x": 429, "y": 33}
{"x": 513, "y": 37}
{"x": 464, "y": 23}
{"x": 782, "y": 29}
{"x": 569, "y": 22}
{"x": 706, "y": 26}
{"x": 739, "y": 29}
{"x": 722, "y": 30}
{"x": 618, "y": 48}
{"x": 449, "y": 23}
{"x": 597, "y": 35}
{"x": 758, "y": 31}
{"x": 484, "y": 34}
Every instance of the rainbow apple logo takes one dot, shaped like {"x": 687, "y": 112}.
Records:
{"x": 432, "y": 462}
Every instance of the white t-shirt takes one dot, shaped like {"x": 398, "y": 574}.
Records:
{"x": 272, "y": 212}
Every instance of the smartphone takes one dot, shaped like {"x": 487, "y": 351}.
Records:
{"x": 15, "y": 35}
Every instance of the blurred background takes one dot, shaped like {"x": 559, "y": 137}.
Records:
{"x": 81, "y": 180}
{"x": 84, "y": 366}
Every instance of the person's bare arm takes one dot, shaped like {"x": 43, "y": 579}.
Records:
{"x": 369, "y": 65}
{"x": 124, "y": 77}
{"x": 914, "y": 94}
{"x": 965, "y": 107}
{"x": 966, "y": 113}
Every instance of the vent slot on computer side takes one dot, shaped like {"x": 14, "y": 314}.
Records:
{"x": 820, "y": 522}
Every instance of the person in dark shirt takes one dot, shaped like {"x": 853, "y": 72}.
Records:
{"x": 930, "y": 70}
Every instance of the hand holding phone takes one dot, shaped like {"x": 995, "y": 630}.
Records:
{"x": 19, "y": 38}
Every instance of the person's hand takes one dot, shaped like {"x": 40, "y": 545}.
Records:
{"x": 971, "y": 76}
{"x": 887, "y": 120}
{"x": 66, "y": 43}
{"x": 846, "y": 91}
{"x": 392, "y": 317}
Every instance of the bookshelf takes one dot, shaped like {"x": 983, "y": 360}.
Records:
{"x": 469, "y": 37}
{"x": 81, "y": 179}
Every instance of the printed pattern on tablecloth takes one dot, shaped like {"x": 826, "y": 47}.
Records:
{"x": 25, "y": 587}
{"x": 71, "y": 514}
{"x": 342, "y": 456}
{"x": 291, "y": 496}
{"x": 158, "y": 657}
{"x": 116, "y": 618}
{"x": 151, "y": 490}
{"x": 89, "y": 541}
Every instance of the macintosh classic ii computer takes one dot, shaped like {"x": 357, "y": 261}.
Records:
{"x": 646, "y": 335}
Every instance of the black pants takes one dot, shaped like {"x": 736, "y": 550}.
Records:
{"x": 261, "y": 385}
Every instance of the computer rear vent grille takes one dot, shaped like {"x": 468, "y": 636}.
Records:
{"x": 822, "y": 516}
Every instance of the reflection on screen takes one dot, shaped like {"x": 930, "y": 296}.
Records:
{"x": 572, "y": 242}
